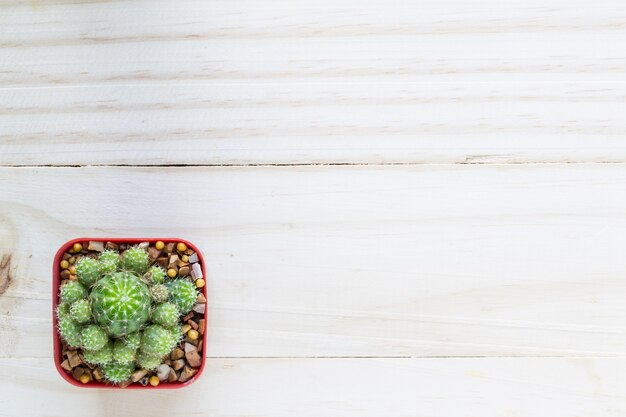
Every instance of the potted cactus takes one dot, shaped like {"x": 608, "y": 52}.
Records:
{"x": 129, "y": 312}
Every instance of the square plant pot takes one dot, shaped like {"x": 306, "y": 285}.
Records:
{"x": 192, "y": 331}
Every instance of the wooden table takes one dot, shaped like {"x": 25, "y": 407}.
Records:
{"x": 406, "y": 208}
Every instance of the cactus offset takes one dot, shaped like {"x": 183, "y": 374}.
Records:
{"x": 155, "y": 275}
{"x": 133, "y": 340}
{"x": 123, "y": 353}
{"x": 93, "y": 337}
{"x": 183, "y": 294}
{"x": 72, "y": 291}
{"x": 136, "y": 260}
{"x": 157, "y": 340}
{"x": 80, "y": 311}
{"x": 87, "y": 271}
{"x": 117, "y": 372}
{"x": 63, "y": 310}
{"x": 109, "y": 261}
{"x": 121, "y": 303}
{"x": 148, "y": 362}
{"x": 159, "y": 293}
{"x": 101, "y": 356}
{"x": 165, "y": 314}
{"x": 70, "y": 331}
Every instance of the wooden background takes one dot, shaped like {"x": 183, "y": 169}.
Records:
{"x": 406, "y": 208}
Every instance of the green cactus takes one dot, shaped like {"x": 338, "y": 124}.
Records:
{"x": 133, "y": 340}
{"x": 155, "y": 275}
{"x": 70, "y": 331}
{"x": 117, "y": 372}
{"x": 101, "y": 356}
{"x": 121, "y": 303}
{"x": 148, "y": 362}
{"x": 87, "y": 271}
{"x": 159, "y": 293}
{"x": 93, "y": 337}
{"x": 72, "y": 291}
{"x": 109, "y": 261}
{"x": 123, "y": 353}
{"x": 157, "y": 340}
{"x": 183, "y": 294}
{"x": 165, "y": 314}
{"x": 63, "y": 310}
{"x": 136, "y": 259}
{"x": 80, "y": 311}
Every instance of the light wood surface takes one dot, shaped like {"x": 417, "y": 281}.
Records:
{"x": 406, "y": 208}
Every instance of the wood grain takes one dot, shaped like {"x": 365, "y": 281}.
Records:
{"x": 277, "y": 82}
{"x": 414, "y": 261}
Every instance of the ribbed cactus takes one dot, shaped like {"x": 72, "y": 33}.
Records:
{"x": 155, "y": 275}
{"x": 70, "y": 331}
{"x": 101, "y": 356}
{"x": 63, "y": 310}
{"x": 136, "y": 260}
{"x": 123, "y": 353}
{"x": 118, "y": 372}
{"x": 159, "y": 293}
{"x": 109, "y": 261}
{"x": 157, "y": 340}
{"x": 183, "y": 294}
{"x": 148, "y": 362}
{"x": 133, "y": 340}
{"x": 93, "y": 337}
{"x": 87, "y": 271}
{"x": 166, "y": 315}
{"x": 121, "y": 303}
{"x": 80, "y": 311}
{"x": 72, "y": 291}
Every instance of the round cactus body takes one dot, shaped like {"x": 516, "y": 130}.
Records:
{"x": 87, "y": 271}
{"x": 159, "y": 293}
{"x": 73, "y": 291}
{"x": 157, "y": 340}
{"x": 93, "y": 337}
{"x": 117, "y": 372}
{"x": 100, "y": 356}
{"x": 109, "y": 261}
{"x": 133, "y": 340}
{"x": 183, "y": 294}
{"x": 63, "y": 310}
{"x": 121, "y": 303}
{"x": 147, "y": 361}
{"x": 70, "y": 331}
{"x": 123, "y": 353}
{"x": 156, "y": 275}
{"x": 81, "y": 311}
{"x": 166, "y": 315}
{"x": 135, "y": 259}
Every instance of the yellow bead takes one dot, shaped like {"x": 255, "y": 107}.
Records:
{"x": 77, "y": 247}
{"x": 181, "y": 247}
{"x": 72, "y": 260}
{"x": 171, "y": 273}
{"x": 154, "y": 380}
{"x": 185, "y": 258}
{"x": 193, "y": 334}
{"x": 159, "y": 245}
{"x": 84, "y": 378}
{"x": 200, "y": 283}
{"x": 73, "y": 270}
{"x": 65, "y": 264}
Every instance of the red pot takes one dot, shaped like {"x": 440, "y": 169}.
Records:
{"x": 58, "y": 350}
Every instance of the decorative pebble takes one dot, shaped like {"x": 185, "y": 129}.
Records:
{"x": 65, "y": 264}
{"x": 159, "y": 245}
{"x": 181, "y": 247}
{"x": 163, "y": 372}
{"x": 200, "y": 283}
{"x": 197, "y": 271}
{"x": 154, "y": 380}
{"x": 96, "y": 245}
{"x": 77, "y": 247}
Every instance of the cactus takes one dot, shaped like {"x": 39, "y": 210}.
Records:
{"x": 117, "y": 372}
{"x": 133, "y": 340}
{"x": 183, "y": 294}
{"x": 121, "y": 303}
{"x": 72, "y": 291}
{"x": 93, "y": 337}
{"x": 63, "y": 310}
{"x": 87, "y": 271}
{"x": 123, "y": 353}
{"x": 80, "y": 311}
{"x": 148, "y": 362}
{"x": 100, "y": 356}
{"x": 155, "y": 275}
{"x": 159, "y": 293}
{"x": 166, "y": 315}
{"x": 109, "y": 261}
{"x": 157, "y": 340}
{"x": 136, "y": 259}
{"x": 70, "y": 331}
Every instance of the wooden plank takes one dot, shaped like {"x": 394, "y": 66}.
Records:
{"x": 467, "y": 260}
{"x": 560, "y": 387}
{"x": 276, "y": 82}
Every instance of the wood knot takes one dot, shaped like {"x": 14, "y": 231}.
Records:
{"x": 5, "y": 273}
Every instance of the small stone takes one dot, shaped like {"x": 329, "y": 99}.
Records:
{"x": 199, "y": 308}
{"x": 193, "y": 358}
{"x": 66, "y": 256}
{"x": 143, "y": 245}
{"x": 188, "y": 316}
{"x": 144, "y": 381}
{"x": 178, "y": 364}
{"x": 177, "y": 353}
{"x": 112, "y": 246}
{"x": 72, "y": 277}
{"x": 77, "y": 372}
{"x": 137, "y": 375}
{"x": 73, "y": 358}
{"x": 183, "y": 271}
{"x": 193, "y": 342}
{"x": 162, "y": 262}
{"x": 173, "y": 261}
{"x": 124, "y": 384}
{"x": 189, "y": 251}
{"x": 163, "y": 372}
{"x": 169, "y": 248}
{"x": 201, "y": 298}
{"x": 189, "y": 347}
{"x": 200, "y": 346}
{"x": 193, "y": 324}
{"x": 153, "y": 253}
{"x": 168, "y": 362}
{"x": 197, "y": 271}
{"x": 97, "y": 374}
{"x": 66, "y": 365}
{"x": 95, "y": 245}
{"x": 154, "y": 380}
{"x": 193, "y": 258}
{"x": 172, "y": 377}
{"x": 185, "y": 328}
{"x": 65, "y": 274}
{"x": 201, "y": 326}
{"x": 187, "y": 374}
